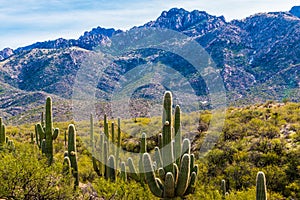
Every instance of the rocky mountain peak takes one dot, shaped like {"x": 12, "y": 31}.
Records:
{"x": 193, "y": 23}
{"x": 295, "y": 11}
{"x": 5, "y": 53}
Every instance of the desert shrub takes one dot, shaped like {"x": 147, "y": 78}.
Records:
{"x": 121, "y": 190}
{"x": 25, "y": 174}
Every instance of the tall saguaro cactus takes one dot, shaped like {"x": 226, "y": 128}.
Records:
{"x": 49, "y": 133}
{"x": 72, "y": 152}
{"x": 176, "y": 169}
{"x": 261, "y": 188}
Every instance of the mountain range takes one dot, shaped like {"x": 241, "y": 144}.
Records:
{"x": 258, "y": 58}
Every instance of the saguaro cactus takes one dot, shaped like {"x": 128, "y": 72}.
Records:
{"x": 176, "y": 169}
{"x": 223, "y": 188}
{"x": 261, "y": 188}
{"x": 72, "y": 152}
{"x": 49, "y": 133}
{"x": 2, "y": 133}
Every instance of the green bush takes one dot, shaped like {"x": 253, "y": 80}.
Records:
{"x": 25, "y": 174}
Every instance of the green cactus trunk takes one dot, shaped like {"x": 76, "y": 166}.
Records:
{"x": 118, "y": 144}
{"x": 2, "y": 133}
{"x": 167, "y": 150}
{"x": 123, "y": 172}
{"x": 111, "y": 168}
{"x": 261, "y": 188}
{"x": 72, "y": 153}
{"x": 112, "y": 138}
{"x": 177, "y": 130}
{"x": 152, "y": 182}
{"x": 49, "y": 133}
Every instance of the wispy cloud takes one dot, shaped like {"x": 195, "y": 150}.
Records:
{"x": 25, "y": 22}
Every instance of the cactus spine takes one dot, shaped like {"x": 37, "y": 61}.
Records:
{"x": 261, "y": 188}
{"x": 173, "y": 181}
{"x": 49, "y": 133}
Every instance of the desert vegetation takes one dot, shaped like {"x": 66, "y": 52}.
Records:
{"x": 255, "y": 157}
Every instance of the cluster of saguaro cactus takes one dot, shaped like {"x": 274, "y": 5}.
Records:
{"x": 175, "y": 173}
{"x": 105, "y": 158}
{"x": 261, "y": 188}
{"x": 46, "y": 135}
{"x": 70, "y": 156}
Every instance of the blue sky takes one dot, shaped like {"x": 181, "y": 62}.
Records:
{"x": 25, "y": 22}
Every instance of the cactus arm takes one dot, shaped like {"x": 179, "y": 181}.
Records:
{"x": 43, "y": 146}
{"x": 37, "y": 140}
{"x": 176, "y": 172}
{"x": 111, "y": 168}
{"x": 160, "y": 141}
{"x": 157, "y": 157}
{"x": 261, "y": 189}
{"x": 132, "y": 171}
{"x": 55, "y": 133}
{"x": 191, "y": 187}
{"x": 66, "y": 166}
{"x": 161, "y": 173}
{"x": 178, "y": 140}
{"x": 184, "y": 175}
{"x": 153, "y": 183}
{"x": 186, "y": 147}
{"x": 105, "y": 158}
{"x": 113, "y": 137}
{"x": 123, "y": 172}
{"x": 169, "y": 185}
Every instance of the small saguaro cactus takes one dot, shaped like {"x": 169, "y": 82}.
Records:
{"x": 49, "y": 132}
{"x": 175, "y": 164}
{"x": 2, "y": 133}
{"x": 72, "y": 152}
{"x": 11, "y": 145}
{"x": 261, "y": 188}
{"x": 223, "y": 188}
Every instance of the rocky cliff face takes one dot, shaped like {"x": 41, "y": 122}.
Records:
{"x": 258, "y": 56}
